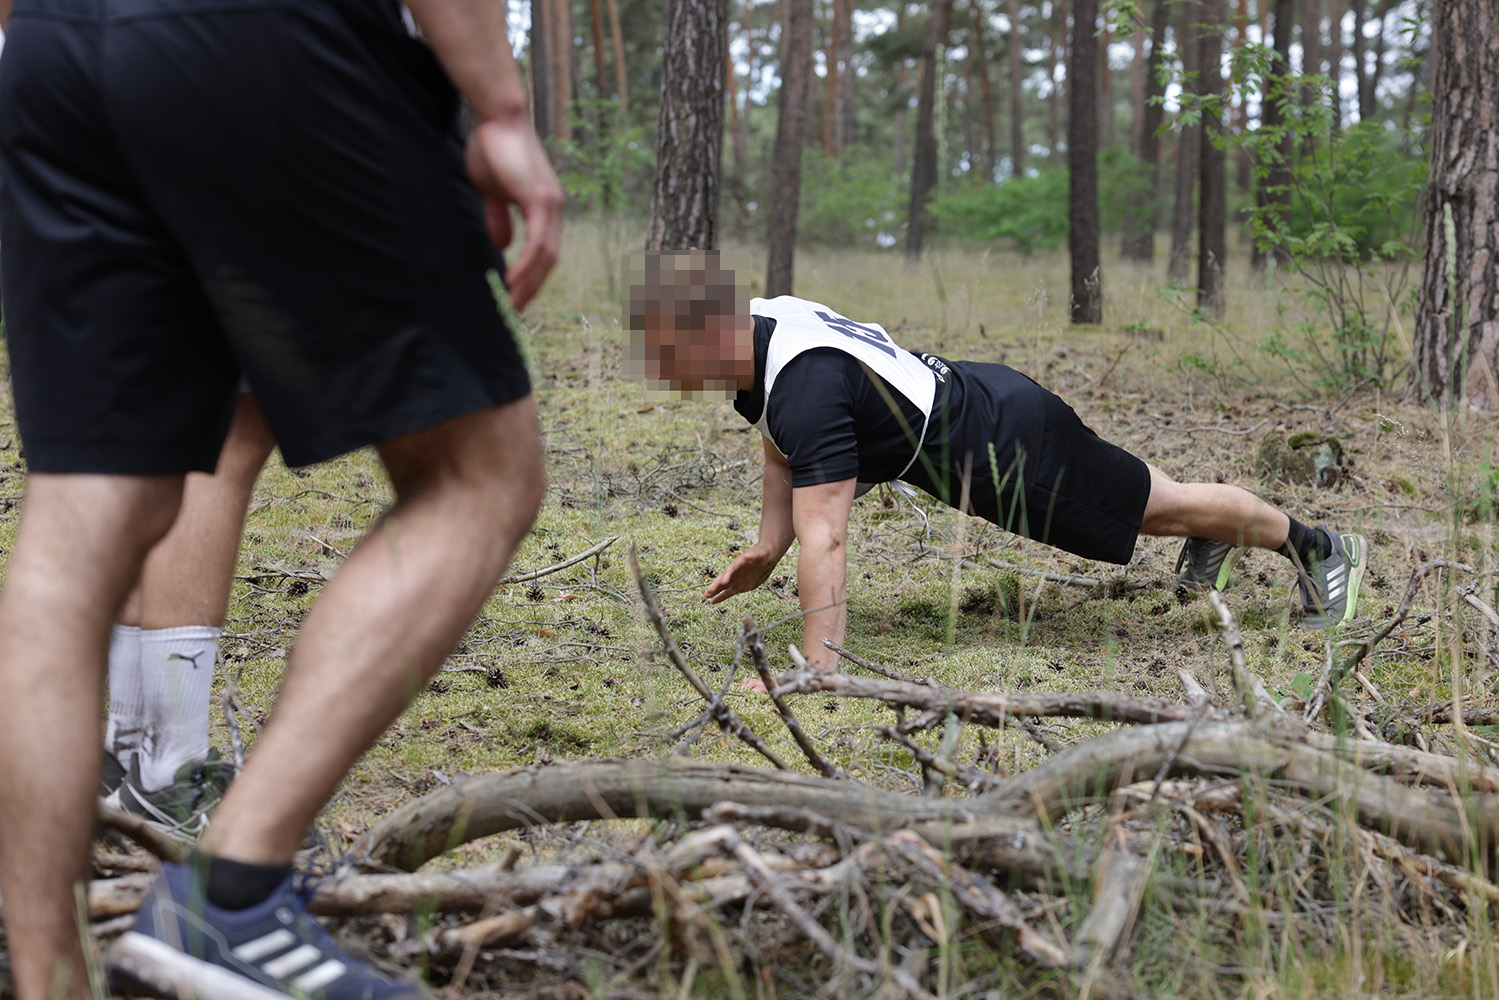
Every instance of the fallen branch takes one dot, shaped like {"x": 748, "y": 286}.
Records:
{"x": 557, "y": 567}
{"x": 986, "y": 709}
{"x": 483, "y": 805}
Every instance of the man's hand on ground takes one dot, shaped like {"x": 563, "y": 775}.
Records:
{"x": 509, "y": 167}
{"x": 748, "y": 570}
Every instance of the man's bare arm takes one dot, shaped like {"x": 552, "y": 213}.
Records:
{"x": 820, "y": 516}
{"x": 750, "y": 568}
{"x": 472, "y": 41}
{"x": 5, "y": 6}
{"x": 505, "y": 159}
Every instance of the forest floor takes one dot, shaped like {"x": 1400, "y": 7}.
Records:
{"x": 555, "y": 669}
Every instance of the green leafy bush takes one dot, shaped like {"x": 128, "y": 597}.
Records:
{"x": 851, "y": 203}
{"x": 1031, "y": 212}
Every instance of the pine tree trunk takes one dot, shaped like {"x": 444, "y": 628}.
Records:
{"x": 1212, "y": 205}
{"x": 1376, "y": 66}
{"x": 1054, "y": 98}
{"x": 1137, "y": 90}
{"x": 898, "y": 126}
{"x": 540, "y": 52}
{"x": 1457, "y": 314}
{"x": 1275, "y": 182}
{"x": 845, "y": 48}
{"x": 596, "y": 25}
{"x": 829, "y": 85}
{"x": 1105, "y": 91}
{"x": 616, "y": 37}
{"x": 1082, "y": 166}
{"x": 1335, "y": 11}
{"x": 791, "y": 132}
{"x": 924, "y": 164}
{"x": 1179, "y": 270}
{"x": 689, "y": 131}
{"x": 562, "y": 68}
{"x": 980, "y": 56}
{"x": 1017, "y": 94}
{"x": 1140, "y": 215}
{"x": 1311, "y": 48}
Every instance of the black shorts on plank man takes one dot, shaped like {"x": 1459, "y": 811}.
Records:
{"x": 842, "y": 407}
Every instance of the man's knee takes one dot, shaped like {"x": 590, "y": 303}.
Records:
{"x": 491, "y": 458}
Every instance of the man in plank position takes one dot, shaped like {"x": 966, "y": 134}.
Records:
{"x": 193, "y": 191}
{"x": 841, "y": 407}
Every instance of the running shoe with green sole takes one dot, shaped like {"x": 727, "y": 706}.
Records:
{"x": 183, "y": 805}
{"x": 1329, "y": 587}
{"x": 1205, "y": 564}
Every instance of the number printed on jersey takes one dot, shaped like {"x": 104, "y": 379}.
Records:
{"x": 871, "y": 335}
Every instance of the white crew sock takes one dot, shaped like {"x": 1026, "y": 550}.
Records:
{"x": 177, "y": 666}
{"x": 127, "y": 695}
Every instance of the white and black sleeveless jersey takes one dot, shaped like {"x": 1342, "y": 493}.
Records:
{"x": 840, "y": 399}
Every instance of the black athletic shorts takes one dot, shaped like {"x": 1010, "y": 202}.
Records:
{"x": 190, "y": 189}
{"x": 1033, "y": 467}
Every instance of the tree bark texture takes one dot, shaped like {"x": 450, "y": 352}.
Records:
{"x": 1457, "y": 315}
{"x": 1212, "y": 204}
{"x": 1140, "y": 215}
{"x": 1017, "y": 93}
{"x": 1082, "y": 166}
{"x": 924, "y": 163}
{"x": 791, "y": 131}
{"x": 1179, "y": 269}
{"x": 689, "y": 130}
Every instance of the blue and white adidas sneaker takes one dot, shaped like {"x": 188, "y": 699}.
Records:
{"x": 184, "y": 946}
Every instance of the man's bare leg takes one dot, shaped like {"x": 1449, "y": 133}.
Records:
{"x": 161, "y": 658}
{"x": 467, "y": 491}
{"x": 80, "y": 545}
{"x": 1215, "y": 511}
{"x": 188, "y": 575}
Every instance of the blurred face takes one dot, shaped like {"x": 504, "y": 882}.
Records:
{"x": 689, "y": 360}
{"x": 691, "y": 330}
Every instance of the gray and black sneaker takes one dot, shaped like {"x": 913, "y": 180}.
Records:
{"x": 183, "y": 805}
{"x": 183, "y": 946}
{"x": 1329, "y": 587}
{"x": 1205, "y": 564}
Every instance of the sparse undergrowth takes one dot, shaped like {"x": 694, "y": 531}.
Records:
{"x": 554, "y": 672}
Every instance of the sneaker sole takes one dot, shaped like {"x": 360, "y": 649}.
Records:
{"x": 160, "y": 969}
{"x": 1355, "y": 576}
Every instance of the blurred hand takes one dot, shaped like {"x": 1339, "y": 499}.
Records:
{"x": 748, "y": 570}
{"x": 508, "y": 165}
